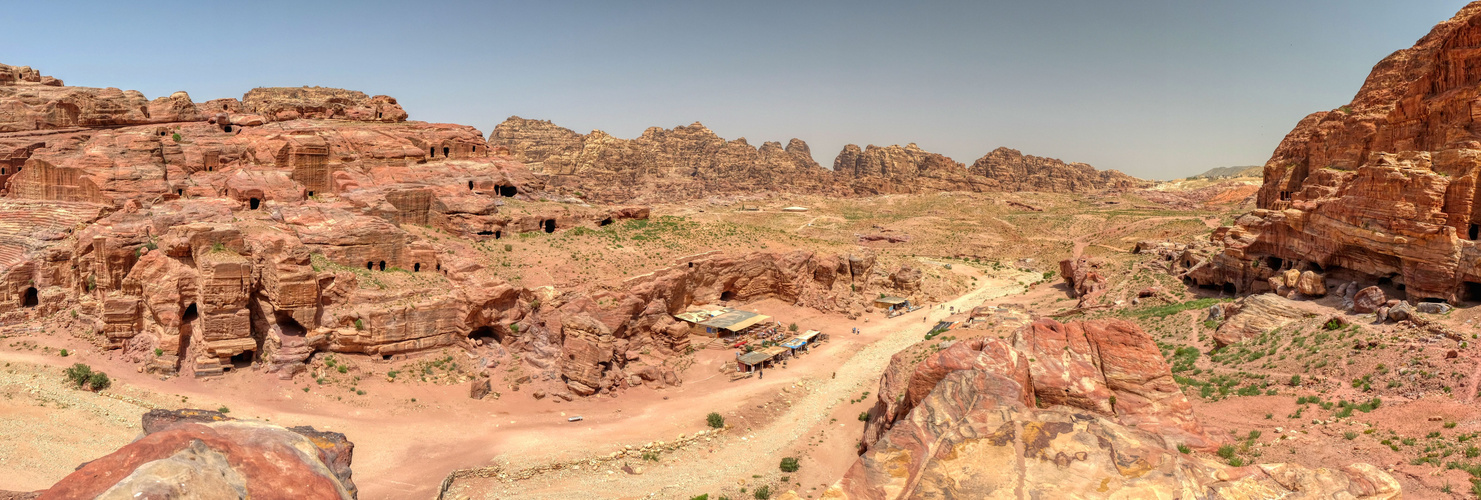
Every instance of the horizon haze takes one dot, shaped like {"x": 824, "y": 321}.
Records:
{"x": 1155, "y": 89}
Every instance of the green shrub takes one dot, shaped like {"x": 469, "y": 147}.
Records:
{"x": 159, "y": 352}
{"x": 1184, "y": 449}
{"x": 715, "y": 420}
{"x": 1226, "y": 451}
{"x": 176, "y": 137}
{"x": 64, "y": 353}
{"x": 863, "y": 416}
{"x": 99, "y": 381}
{"x": 1349, "y": 435}
{"x": 789, "y": 464}
{"x": 762, "y": 493}
{"x": 508, "y": 247}
{"x": 223, "y": 409}
{"x": 79, "y": 374}
{"x": 359, "y": 325}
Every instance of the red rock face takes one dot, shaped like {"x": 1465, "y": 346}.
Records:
{"x": 986, "y": 419}
{"x": 972, "y": 437}
{"x": 1385, "y": 186}
{"x": 1081, "y": 365}
{"x": 203, "y": 454}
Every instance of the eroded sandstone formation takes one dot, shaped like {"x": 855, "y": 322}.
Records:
{"x": 1078, "y": 410}
{"x": 679, "y": 163}
{"x": 201, "y": 238}
{"x": 1015, "y": 171}
{"x": 692, "y": 161}
{"x": 1383, "y": 188}
{"x": 204, "y": 454}
{"x": 1112, "y": 367}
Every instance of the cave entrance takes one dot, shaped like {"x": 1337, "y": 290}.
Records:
{"x": 445, "y": 152}
{"x": 1274, "y": 263}
{"x": 187, "y": 330}
{"x": 484, "y": 335}
{"x": 178, "y": 192}
{"x": 470, "y": 185}
{"x": 31, "y": 298}
{"x": 383, "y": 265}
{"x": 1473, "y": 232}
{"x": 288, "y": 325}
{"x": 508, "y": 191}
{"x": 226, "y": 129}
{"x": 417, "y": 267}
{"x": 432, "y": 152}
{"x": 605, "y": 222}
{"x": 1470, "y": 291}
{"x": 311, "y": 194}
{"x": 549, "y": 225}
{"x": 241, "y": 360}
{"x": 1432, "y": 299}
{"x": 370, "y": 266}
{"x": 254, "y": 203}
{"x": 498, "y": 234}
{"x": 727, "y": 295}
{"x": 1229, "y": 288}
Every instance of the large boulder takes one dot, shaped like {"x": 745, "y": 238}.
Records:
{"x": 1257, "y": 315}
{"x": 1112, "y": 368}
{"x": 203, "y": 454}
{"x": 1368, "y": 299}
{"x": 972, "y": 437}
{"x": 1311, "y": 284}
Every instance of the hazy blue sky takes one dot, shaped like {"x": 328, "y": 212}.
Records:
{"x": 1157, "y": 89}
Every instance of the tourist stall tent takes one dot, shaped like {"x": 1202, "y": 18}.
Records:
{"x": 776, "y": 352}
{"x": 695, "y": 320}
{"x": 732, "y": 322}
{"x": 891, "y": 303}
{"x": 751, "y": 360}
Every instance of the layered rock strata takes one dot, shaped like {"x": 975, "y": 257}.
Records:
{"x": 1383, "y": 188}
{"x": 1078, "y": 410}
{"x": 692, "y": 161}
{"x": 204, "y": 454}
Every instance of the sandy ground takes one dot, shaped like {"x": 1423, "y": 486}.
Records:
{"x": 409, "y": 436}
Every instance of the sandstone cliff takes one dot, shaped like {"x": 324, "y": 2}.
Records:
{"x": 1014, "y": 171}
{"x": 298, "y": 221}
{"x": 662, "y": 164}
{"x": 1383, "y": 188}
{"x": 693, "y": 162}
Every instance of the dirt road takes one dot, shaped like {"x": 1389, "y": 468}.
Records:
{"x": 760, "y": 449}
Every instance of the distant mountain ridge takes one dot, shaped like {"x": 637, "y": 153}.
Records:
{"x": 692, "y": 161}
{"x": 1228, "y": 172}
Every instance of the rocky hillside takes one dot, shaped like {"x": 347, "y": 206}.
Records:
{"x": 1383, "y": 188}
{"x": 692, "y": 162}
{"x": 1074, "y": 410}
{"x": 201, "y": 238}
{"x": 679, "y": 163}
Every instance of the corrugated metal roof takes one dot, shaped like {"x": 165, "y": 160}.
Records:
{"x": 890, "y": 299}
{"x": 752, "y": 358}
{"x": 735, "y": 320}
